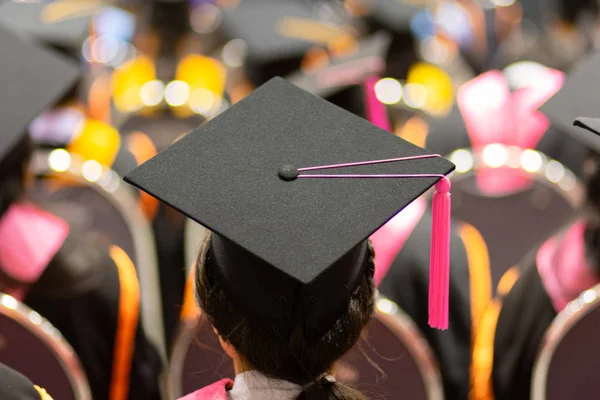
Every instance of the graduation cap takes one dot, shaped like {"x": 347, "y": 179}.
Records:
{"x": 292, "y": 187}
{"x": 62, "y": 25}
{"x": 347, "y": 70}
{"x": 277, "y": 34}
{"x": 575, "y": 99}
{"x": 32, "y": 80}
{"x": 343, "y": 82}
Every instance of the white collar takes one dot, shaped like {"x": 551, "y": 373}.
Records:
{"x": 252, "y": 385}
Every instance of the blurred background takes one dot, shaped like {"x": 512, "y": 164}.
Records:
{"x": 462, "y": 78}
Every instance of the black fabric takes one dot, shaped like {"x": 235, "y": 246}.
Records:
{"x": 32, "y": 80}
{"x": 14, "y": 386}
{"x": 524, "y": 318}
{"x": 88, "y": 321}
{"x": 448, "y": 133}
{"x": 168, "y": 227}
{"x": 570, "y": 153}
{"x": 351, "y": 99}
{"x": 225, "y": 177}
{"x": 395, "y": 18}
{"x": 407, "y": 284}
{"x": 576, "y": 99}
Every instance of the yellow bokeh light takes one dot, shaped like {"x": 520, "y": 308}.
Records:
{"x": 128, "y": 80}
{"x": 439, "y": 90}
{"x": 204, "y": 72}
{"x": 97, "y": 141}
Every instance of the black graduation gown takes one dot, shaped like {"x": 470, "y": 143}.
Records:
{"x": 525, "y": 316}
{"x": 14, "y": 386}
{"x": 407, "y": 284}
{"x": 83, "y": 304}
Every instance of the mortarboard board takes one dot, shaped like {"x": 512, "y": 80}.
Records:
{"x": 62, "y": 25}
{"x": 277, "y": 34}
{"x": 575, "y": 99}
{"x": 283, "y": 235}
{"x": 33, "y": 78}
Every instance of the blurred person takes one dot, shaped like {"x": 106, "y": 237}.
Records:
{"x": 554, "y": 33}
{"x": 86, "y": 288}
{"x": 555, "y": 273}
{"x": 287, "y": 276}
{"x": 529, "y": 298}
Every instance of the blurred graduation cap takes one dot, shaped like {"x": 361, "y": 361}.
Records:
{"x": 277, "y": 34}
{"x": 341, "y": 82}
{"x": 290, "y": 233}
{"x": 347, "y": 70}
{"x": 62, "y": 24}
{"x": 576, "y": 99}
{"x": 32, "y": 80}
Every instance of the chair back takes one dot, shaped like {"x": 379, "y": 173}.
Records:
{"x": 93, "y": 198}
{"x": 569, "y": 359}
{"x": 515, "y": 221}
{"x": 32, "y": 346}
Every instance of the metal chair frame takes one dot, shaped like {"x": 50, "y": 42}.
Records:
{"x": 52, "y": 339}
{"x": 575, "y": 311}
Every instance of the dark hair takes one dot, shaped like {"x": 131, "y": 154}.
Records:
{"x": 300, "y": 360}
{"x": 13, "y": 169}
{"x": 592, "y": 232}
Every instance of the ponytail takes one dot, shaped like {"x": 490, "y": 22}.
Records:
{"x": 327, "y": 388}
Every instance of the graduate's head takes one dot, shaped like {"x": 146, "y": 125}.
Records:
{"x": 287, "y": 277}
{"x": 297, "y": 352}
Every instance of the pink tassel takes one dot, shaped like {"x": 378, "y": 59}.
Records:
{"x": 439, "y": 268}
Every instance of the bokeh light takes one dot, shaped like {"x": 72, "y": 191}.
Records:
{"x": 463, "y": 159}
{"x": 177, "y": 93}
{"x": 495, "y": 155}
{"x": 59, "y": 160}
{"x": 152, "y": 93}
{"x": 388, "y": 91}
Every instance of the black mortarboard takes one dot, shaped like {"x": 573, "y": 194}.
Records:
{"x": 32, "y": 79}
{"x": 575, "y": 99}
{"x": 289, "y": 249}
{"x": 261, "y": 24}
{"x": 62, "y": 28}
